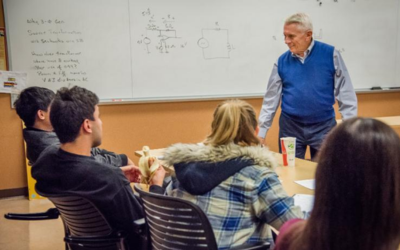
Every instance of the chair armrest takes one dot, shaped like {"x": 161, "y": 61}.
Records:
{"x": 50, "y": 214}
{"x": 253, "y": 246}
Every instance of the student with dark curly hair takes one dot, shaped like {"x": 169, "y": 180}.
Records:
{"x": 71, "y": 169}
{"x": 33, "y": 107}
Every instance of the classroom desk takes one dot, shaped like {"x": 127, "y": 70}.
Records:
{"x": 393, "y": 121}
{"x": 302, "y": 170}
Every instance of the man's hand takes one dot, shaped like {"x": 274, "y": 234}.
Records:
{"x": 132, "y": 173}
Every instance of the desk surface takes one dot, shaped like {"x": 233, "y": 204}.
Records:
{"x": 302, "y": 170}
{"x": 393, "y": 121}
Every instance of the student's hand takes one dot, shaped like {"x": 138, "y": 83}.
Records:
{"x": 132, "y": 173}
{"x": 158, "y": 176}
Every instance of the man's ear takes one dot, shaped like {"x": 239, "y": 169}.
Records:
{"x": 40, "y": 115}
{"x": 86, "y": 126}
{"x": 309, "y": 34}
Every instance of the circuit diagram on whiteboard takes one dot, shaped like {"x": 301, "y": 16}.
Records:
{"x": 215, "y": 43}
{"x": 160, "y": 34}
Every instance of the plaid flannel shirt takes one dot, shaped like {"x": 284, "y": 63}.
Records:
{"x": 242, "y": 208}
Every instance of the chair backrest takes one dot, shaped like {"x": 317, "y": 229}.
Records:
{"x": 81, "y": 217}
{"x": 175, "y": 223}
{"x": 85, "y": 226}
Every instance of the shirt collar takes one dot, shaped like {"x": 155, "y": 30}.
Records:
{"x": 307, "y": 52}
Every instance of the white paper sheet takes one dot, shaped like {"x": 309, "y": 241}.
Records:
{"x": 12, "y": 81}
{"x": 305, "y": 202}
{"x": 310, "y": 183}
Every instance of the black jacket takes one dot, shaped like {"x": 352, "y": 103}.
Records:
{"x": 38, "y": 140}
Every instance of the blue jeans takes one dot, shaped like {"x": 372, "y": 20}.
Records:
{"x": 306, "y": 134}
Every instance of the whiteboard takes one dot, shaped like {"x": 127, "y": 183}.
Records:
{"x": 127, "y": 50}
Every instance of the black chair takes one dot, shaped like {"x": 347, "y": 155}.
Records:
{"x": 175, "y": 223}
{"x": 85, "y": 226}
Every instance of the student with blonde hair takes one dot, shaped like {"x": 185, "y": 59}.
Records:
{"x": 357, "y": 192}
{"x": 231, "y": 177}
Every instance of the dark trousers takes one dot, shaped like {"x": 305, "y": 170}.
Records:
{"x": 306, "y": 134}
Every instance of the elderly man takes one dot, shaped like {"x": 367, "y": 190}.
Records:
{"x": 308, "y": 78}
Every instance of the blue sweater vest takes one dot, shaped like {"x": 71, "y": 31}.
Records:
{"x": 308, "y": 89}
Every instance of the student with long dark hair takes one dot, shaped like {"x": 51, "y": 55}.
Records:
{"x": 357, "y": 193}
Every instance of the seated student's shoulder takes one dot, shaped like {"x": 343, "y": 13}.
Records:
{"x": 47, "y": 155}
{"x": 55, "y": 163}
{"x": 257, "y": 173}
{"x": 289, "y": 234}
{"x": 262, "y": 165}
{"x": 56, "y": 158}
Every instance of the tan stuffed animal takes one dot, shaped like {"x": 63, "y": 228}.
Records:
{"x": 146, "y": 170}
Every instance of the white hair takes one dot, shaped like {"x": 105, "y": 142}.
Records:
{"x": 302, "y": 19}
